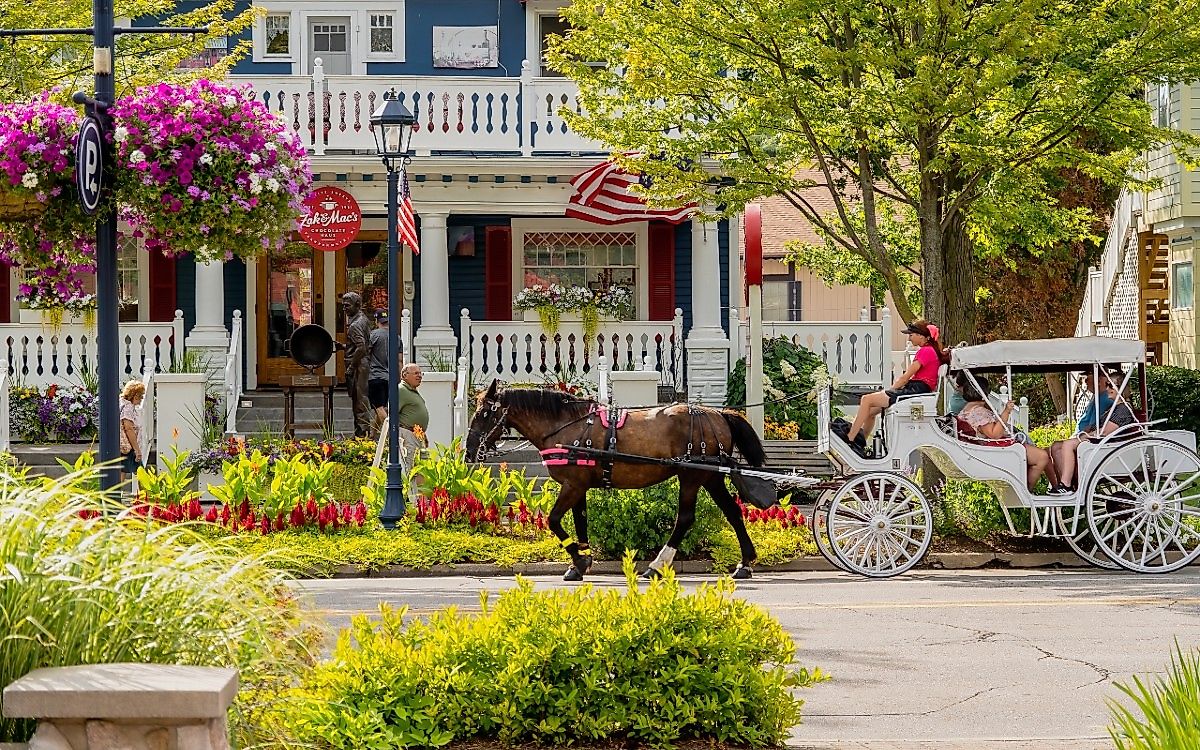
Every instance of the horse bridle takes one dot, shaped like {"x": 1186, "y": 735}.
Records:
{"x": 489, "y": 438}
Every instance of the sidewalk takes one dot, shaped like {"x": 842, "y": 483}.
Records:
{"x": 1027, "y": 744}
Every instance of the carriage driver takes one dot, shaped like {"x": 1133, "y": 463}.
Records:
{"x": 920, "y": 377}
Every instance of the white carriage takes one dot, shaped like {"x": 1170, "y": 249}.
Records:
{"x": 1138, "y": 502}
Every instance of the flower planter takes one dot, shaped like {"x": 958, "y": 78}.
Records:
{"x": 19, "y": 207}
{"x": 43, "y": 318}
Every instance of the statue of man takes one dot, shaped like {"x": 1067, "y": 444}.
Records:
{"x": 358, "y": 368}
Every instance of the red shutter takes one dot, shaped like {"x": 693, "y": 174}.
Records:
{"x": 661, "y": 273}
{"x": 5, "y": 293}
{"x": 497, "y": 269}
{"x": 162, "y": 287}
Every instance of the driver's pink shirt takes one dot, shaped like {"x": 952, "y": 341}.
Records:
{"x": 927, "y": 357}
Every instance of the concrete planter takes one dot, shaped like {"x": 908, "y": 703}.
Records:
{"x": 438, "y": 390}
{"x": 636, "y": 388}
{"x": 179, "y": 411}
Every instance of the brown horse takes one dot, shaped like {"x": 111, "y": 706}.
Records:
{"x": 552, "y": 421}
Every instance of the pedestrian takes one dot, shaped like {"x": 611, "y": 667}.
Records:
{"x": 358, "y": 334}
{"x": 412, "y": 418}
{"x": 377, "y": 385}
{"x": 131, "y": 427}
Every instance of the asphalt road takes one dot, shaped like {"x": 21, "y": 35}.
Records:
{"x": 937, "y": 660}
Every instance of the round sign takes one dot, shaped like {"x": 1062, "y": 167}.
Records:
{"x": 332, "y": 220}
{"x": 89, "y": 164}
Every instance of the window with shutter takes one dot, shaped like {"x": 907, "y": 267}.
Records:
{"x": 162, "y": 287}
{"x": 498, "y": 270}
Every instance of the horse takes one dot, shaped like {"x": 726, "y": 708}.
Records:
{"x": 554, "y": 421}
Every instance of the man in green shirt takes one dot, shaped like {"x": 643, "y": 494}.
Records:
{"x": 412, "y": 421}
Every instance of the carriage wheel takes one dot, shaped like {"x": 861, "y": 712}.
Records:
{"x": 880, "y": 524}
{"x": 1143, "y": 505}
{"x": 1082, "y": 542}
{"x": 820, "y": 529}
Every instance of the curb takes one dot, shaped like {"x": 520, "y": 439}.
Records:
{"x": 933, "y": 561}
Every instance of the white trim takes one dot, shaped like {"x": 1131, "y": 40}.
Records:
{"x": 534, "y": 10}
{"x": 360, "y": 32}
{"x": 250, "y": 325}
{"x": 641, "y": 229}
{"x": 143, "y": 271}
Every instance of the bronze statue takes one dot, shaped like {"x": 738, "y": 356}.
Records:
{"x": 358, "y": 345}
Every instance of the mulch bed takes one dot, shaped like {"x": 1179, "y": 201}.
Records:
{"x": 998, "y": 543}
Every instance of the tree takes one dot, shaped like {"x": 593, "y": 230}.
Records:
{"x": 30, "y": 65}
{"x": 951, "y": 116}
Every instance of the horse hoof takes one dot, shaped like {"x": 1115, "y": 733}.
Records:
{"x": 572, "y": 574}
{"x": 652, "y": 574}
{"x": 742, "y": 573}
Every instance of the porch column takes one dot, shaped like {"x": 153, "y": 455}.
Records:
{"x": 435, "y": 338}
{"x": 209, "y": 337}
{"x": 708, "y": 358}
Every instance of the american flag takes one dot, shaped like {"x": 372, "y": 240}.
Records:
{"x": 602, "y": 196}
{"x": 407, "y": 225}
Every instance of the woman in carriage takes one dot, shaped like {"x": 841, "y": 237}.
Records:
{"x": 1108, "y": 408}
{"x": 991, "y": 427}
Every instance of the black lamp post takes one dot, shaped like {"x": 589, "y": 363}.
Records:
{"x": 392, "y": 125}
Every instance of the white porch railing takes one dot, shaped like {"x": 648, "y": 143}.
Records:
{"x": 149, "y": 412}
{"x": 406, "y": 345}
{"x": 1093, "y": 312}
{"x": 855, "y": 353}
{"x": 520, "y": 351}
{"x": 233, "y": 374}
{"x": 454, "y": 113}
{"x": 39, "y": 355}
{"x": 5, "y": 423}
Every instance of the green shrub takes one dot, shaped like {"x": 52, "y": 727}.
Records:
{"x": 1041, "y": 406}
{"x": 1174, "y": 396}
{"x": 775, "y": 545}
{"x": 1045, "y": 436}
{"x": 973, "y": 510}
{"x": 788, "y": 370}
{"x": 82, "y": 588}
{"x": 559, "y": 667}
{"x": 642, "y": 520}
{"x": 346, "y": 481}
{"x": 1167, "y": 715}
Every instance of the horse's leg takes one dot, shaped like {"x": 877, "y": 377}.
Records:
{"x": 720, "y": 495}
{"x": 581, "y": 560}
{"x": 689, "y": 486}
{"x": 579, "y": 513}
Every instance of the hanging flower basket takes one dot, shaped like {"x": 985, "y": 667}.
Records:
{"x": 20, "y": 206}
{"x": 207, "y": 170}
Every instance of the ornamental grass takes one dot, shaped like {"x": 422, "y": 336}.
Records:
{"x": 82, "y": 584}
{"x": 1166, "y": 711}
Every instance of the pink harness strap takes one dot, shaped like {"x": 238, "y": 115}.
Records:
{"x": 561, "y": 457}
{"x": 621, "y": 415}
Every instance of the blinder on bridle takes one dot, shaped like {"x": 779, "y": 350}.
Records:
{"x": 496, "y": 413}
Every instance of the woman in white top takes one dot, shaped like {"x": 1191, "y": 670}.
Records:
{"x": 131, "y": 426}
{"x": 987, "y": 424}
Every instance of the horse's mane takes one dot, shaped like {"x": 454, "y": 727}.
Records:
{"x": 543, "y": 400}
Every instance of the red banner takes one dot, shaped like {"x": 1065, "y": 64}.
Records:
{"x": 332, "y": 221}
{"x": 753, "y": 241}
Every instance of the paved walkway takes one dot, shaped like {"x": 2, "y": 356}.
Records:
{"x": 934, "y": 660}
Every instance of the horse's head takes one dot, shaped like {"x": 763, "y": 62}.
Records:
{"x": 488, "y": 423}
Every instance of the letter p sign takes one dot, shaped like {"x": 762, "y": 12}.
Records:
{"x": 89, "y": 164}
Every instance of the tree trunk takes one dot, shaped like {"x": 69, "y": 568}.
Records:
{"x": 958, "y": 288}
{"x": 1058, "y": 392}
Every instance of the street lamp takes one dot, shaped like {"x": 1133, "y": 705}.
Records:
{"x": 392, "y": 125}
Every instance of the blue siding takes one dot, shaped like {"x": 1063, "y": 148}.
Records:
{"x": 467, "y": 273}
{"x": 235, "y": 298}
{"x": 683, "y": 272}
{"x": 420, "y": 18}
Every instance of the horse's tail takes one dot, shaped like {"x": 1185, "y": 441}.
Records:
{"x": 745, "y": 438}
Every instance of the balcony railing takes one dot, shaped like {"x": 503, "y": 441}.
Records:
{"x": 455, "y": 114}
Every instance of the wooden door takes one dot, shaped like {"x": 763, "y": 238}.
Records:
{"x": 291, "y": 284}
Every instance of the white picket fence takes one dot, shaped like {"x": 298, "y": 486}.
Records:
{"x": 856, "y": 353}
{"x": 521, "y": 351}
{"x": 38, "y": 354}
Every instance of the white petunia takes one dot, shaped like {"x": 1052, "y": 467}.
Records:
{"x": 206, "y": 159}
{"x": 254, "y": 159}
{"x": 272, "y": 184}
{"x": 30, "y": 180}
{"x": 787, "y": 369}
{"x": 120, "y": 134}
{"x": 230, "y": 101}
{"x": 136, "y": 156}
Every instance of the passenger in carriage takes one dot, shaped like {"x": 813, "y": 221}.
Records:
{"x": 1064, "y": 453}
{"x": 920, "y": 377}
{"x": 979, "y": 414}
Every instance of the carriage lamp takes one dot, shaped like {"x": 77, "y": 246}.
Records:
{"x": 392, "y": 125}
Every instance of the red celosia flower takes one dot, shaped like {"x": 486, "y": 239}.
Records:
{"x": 211, "y": 516}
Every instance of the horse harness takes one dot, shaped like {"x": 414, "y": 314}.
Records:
{"x": 612, "y": 418}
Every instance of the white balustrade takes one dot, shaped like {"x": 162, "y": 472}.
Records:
{"x": 39, "y": 355}
{"x": 454, "y": 113}
{"x": 5, "y": 414}
{"x": 460, "y": 398}
{"x": 855, "y": 353}
{"x": 149, "y": 412}
{"x": 233, "y": 374}
{"x": 521, "y": 351}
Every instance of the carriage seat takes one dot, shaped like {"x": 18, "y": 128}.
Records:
{"x": 932, "y": 397}
{"x": 965, "y": 433}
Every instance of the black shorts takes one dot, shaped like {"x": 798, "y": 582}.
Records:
{"x": 129, "y": 462}
{"x": 911, "y": 388}
{"x": 377, "y": 393}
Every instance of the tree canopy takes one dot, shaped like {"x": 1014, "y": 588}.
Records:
{"x": 29, "y": 65}
{"x": 953, "y": 118}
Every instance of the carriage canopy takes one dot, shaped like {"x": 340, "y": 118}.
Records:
{"x": 1048, "y": 355}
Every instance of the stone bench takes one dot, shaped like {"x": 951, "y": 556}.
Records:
{"x": 125, "y": 706}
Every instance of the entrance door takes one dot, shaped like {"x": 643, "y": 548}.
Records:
{"x": 329, "y": 39}
{"x": 291, "y": 285}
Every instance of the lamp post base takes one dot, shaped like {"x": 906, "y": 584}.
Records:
{"x": 393, "y": 501}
